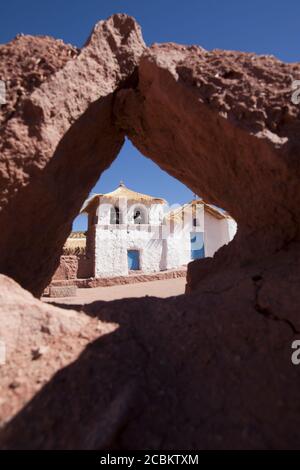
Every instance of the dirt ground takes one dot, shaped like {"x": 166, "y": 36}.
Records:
{"x": 163, "y": 288}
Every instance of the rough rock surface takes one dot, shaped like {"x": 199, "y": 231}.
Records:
{"x": 25, "y": 63}
{"x": 24, "y": 320}
{"x": 34, "y": 330}
{"x": 211, "y": 369}
{"x": 223, "y": 123}
{"x": 208, "y": 370}
{"x": 55, "y": 146}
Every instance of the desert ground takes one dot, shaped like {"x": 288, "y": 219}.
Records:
{"x": 164, "y": 288}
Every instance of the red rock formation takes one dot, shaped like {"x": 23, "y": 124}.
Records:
{"x": 223, "y": 123}
{"x": 24, "y": 319}
{"x": 25, "y": 63}
{"x": 32, "y": 330}
{"x": 211, "y": 369}
{"x": 55, "y": 146}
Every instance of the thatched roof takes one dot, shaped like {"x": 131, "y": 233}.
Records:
{"x": 77, "y": 234}
{"x": 177, "y": 215}
{"x": 75, "y": 243}
{"x": 122, "y": 192}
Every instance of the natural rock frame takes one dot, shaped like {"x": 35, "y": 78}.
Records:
{"x": 211, "y": 369}
{"x": 221, "y": 122}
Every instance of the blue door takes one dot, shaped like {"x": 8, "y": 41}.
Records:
{"x": 197, "y": 245}
{"x": 133, "y": 259}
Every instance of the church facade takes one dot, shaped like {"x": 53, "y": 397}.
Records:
{"x": 130, "y": 231}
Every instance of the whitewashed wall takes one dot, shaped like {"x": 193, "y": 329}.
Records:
{"x": 154, "y": 212}
{"x": 157, "y": 251}
{"x": 177, "y": 250}
{"x": 218, "y": 232}
{"x": 232, "y": 228}
{"x": 111, "y": 251}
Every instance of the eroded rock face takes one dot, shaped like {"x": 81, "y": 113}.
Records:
{"x": 24, "y": 319}
{"x": 221, "y": 122}
{"x": 55, "y": 146}
{"x": 25, "y": 63}
{"x": 224, "y": 124}
{"x": 209, "y": 370}
{"x": 39, "y": 339}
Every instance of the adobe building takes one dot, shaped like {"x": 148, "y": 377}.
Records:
{"x": 130, "y": 231}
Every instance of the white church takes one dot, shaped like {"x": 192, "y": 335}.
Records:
{"x": 129, "y": 231}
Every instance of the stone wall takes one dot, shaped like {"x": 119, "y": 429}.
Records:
{"x": 67, "y": 269}
{"x": 73, "y": 267}
{"x": 85, "y": 267}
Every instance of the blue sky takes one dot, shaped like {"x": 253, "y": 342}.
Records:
{"x": 264, "y": 27}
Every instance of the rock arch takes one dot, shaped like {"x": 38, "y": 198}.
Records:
{"x": 55, "y": 146}
{"x": 221, "y": 122}
{"x": 215, "y": 363}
